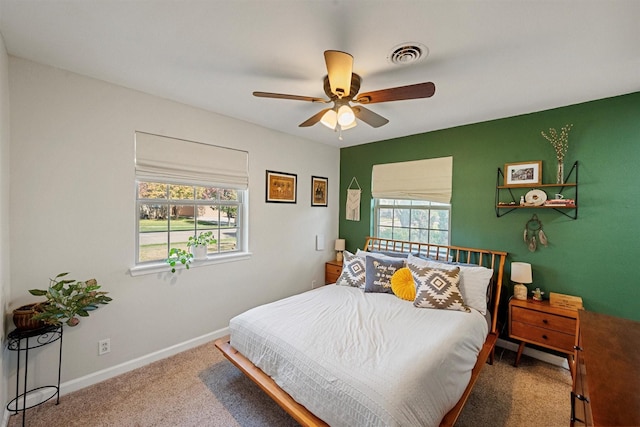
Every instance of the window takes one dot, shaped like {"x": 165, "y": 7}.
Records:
{"x": 184, "y": 188}
{"x": 414, "y": 220}
{"x": 412, "y": 200}
{"x": 169, "y": 213}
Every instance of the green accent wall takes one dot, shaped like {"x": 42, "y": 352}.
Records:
{"x": 593, "y": 256}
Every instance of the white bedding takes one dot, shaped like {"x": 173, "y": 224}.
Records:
{"x": 363, "y": 359}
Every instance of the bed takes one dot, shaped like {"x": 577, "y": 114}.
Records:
{"x": 340, "y": 355}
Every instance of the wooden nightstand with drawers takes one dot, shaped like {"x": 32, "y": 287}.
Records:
{"x": 536, "y": 322}
{"x": 332, "y": 270}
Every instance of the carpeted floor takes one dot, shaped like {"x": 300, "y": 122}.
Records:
{"x": 200, "y": 388}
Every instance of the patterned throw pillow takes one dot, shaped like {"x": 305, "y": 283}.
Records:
{"x": 438, "y": 288}
{"x": 353, "y": 271}
{"x": 474, "y": 280}
{"x": 378, "y": 274}
{"x": 402, "y": 284}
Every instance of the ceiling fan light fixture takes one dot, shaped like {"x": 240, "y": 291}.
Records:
{"x": 349, "y": 126}
{"x": 330, "y": 119}
{"x": 346, "y": 116}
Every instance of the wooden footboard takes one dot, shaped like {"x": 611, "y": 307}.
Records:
{"x": 266, "y": 383}
{"x": 308, "y": 419}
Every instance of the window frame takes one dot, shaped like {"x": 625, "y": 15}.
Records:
{"x": 409, "y": 204}
{"x": 155, "y": 266}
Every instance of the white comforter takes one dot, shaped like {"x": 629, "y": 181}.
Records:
{"x": 363, "y": 359}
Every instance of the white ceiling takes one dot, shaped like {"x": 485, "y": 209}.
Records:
{"x": 488, "y": 58}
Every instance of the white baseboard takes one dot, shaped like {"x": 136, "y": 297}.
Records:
{"x": 96, "y": 377}
{"x": 536, "y": 354}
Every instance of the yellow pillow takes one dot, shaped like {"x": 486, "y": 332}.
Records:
{"x": 402, "y": 284}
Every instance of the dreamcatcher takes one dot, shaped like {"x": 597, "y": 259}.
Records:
{"x": 532, "y": 229}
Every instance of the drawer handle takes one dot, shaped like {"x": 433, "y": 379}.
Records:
{"x": 545, "y": 321}
{"x": 577, "y": 347}
{"x": 581, "y": 397}
{"x": 544, "y": 337}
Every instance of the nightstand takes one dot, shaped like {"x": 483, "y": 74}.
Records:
{"x": 332, "y": 270}
{"x": 536, "y": 322}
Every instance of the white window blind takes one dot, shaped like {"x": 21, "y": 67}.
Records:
{"x": 428, "y": 179}
{"x": 164, "y": 159}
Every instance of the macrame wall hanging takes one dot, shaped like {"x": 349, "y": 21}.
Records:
{"x": 533, "y": 234}
{"x": 353, "y": 201}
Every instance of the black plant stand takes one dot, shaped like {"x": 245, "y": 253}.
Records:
{"x": 22, "y": 342}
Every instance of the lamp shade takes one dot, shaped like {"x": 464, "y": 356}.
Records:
{"x": 345, "y": 116}
{"x": 521, "y": 272}
{"x": 339, "y": 245}
{"x": 330, "y": 119}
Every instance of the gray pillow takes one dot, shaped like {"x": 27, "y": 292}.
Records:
{"x": 378, "y": 274}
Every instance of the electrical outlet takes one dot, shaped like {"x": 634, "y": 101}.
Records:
{"x": 313, "y": 284}
{"x": 104, "y": 346}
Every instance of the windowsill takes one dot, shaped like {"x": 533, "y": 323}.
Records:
{"x": 163, "y": 267}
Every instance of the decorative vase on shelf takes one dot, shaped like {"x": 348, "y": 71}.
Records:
{"x": 560, "y": 172}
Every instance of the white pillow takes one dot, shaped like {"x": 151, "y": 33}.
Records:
{"x": 474, "y": 280}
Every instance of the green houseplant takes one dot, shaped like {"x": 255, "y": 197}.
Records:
{"x": 68, "y": 299}
{"x": 197, "y": 246}
{"x": 177, "y": 255}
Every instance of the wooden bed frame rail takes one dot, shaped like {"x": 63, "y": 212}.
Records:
{"x": 484, "y": 257}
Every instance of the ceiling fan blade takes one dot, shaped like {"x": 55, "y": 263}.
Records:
{"x": 313, "y": 119}
{"x": 369, "y": 117}
{"x": 339, "y": 69}
{"x": 292, "y": 97}
{"x": 420, "y": 90}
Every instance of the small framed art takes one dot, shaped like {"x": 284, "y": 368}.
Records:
{"x": 319, "y": 191}
{"x": 523, "y": 174}
{"x": 282, "y": 187}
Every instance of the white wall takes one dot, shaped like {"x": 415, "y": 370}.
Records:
{"x": 73, "y": 209}
{"x": 5, "y": 290}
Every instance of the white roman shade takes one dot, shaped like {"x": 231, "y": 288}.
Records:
{"x": 164, "y": 159}
{"x": 428, "y": 179}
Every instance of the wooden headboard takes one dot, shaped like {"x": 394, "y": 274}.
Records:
{"x": 494, "y": 260}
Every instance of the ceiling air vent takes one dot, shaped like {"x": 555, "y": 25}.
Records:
{"x": 407, "y": 53}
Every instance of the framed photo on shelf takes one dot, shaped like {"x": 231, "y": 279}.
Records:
{"x": 319, "y": 191}
{"x": 523, "y": 174}
{"x": 282, "y": 187}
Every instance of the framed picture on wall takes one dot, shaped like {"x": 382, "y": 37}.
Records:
{"x": 319, "y": 191}
{"x": 282, "y": 187}
{"x": 523, "y": 174}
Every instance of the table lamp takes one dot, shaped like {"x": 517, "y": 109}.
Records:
{"x": 339, "y": 247}
{"x": 520, "y": 274}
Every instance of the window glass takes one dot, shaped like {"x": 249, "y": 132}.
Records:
{"x": 412, "y": 220}
{"x": 168, "y": 214}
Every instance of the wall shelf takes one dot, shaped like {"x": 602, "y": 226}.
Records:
{"x": 570, "y": 211}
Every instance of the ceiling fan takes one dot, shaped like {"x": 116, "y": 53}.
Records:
{"x": 341, "y": 85}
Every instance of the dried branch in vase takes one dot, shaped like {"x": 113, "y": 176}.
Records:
{"x": 560, "y": 141}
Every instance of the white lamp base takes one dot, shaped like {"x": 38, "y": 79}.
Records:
{"x": 520, "y": 292}
{"x": 339, "y": 258}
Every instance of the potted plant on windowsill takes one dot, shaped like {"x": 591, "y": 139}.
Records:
{"x": 68, "y": 299}
{"x": 179, "y": 256}
{"x": 197, "y": 246}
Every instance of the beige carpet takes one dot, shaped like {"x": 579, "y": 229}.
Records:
{"x": 201, "y": 388}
